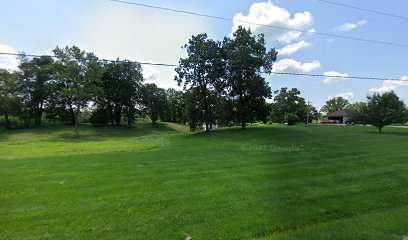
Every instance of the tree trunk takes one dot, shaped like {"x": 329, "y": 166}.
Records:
{"x": 242, "y": 103}
{"x": 38, "y": 115}
{"x": 76, "y": 124}
{"x": 130, "y": 116}
{"x": 118, "y": 114}
{"x": 7, "y": 120}
{"x": 380, "y": 129}
{"x": 71, "y": 110}
{"x": 111, "y": 115}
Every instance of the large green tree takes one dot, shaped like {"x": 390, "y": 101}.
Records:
{"x": 385, "y": 109}
{"x": 288, "y": 101}
{"x": 36, "y": 75}
{"x": 193, "y": 111}
{"x": 154, "y": 100}
{"x": 335, "y": 104}
{"x": 78, "y": 77}
{"x": 246, "y": 58}
{"x": 121, "y": 83}
{"x": 359, "y": 112}
{"x": 176, "y": 106}
{"x": 9, "y": 96}
{"x": 202, "y": 71}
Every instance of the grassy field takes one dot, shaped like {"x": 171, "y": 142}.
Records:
{"x": 274, "y": 182}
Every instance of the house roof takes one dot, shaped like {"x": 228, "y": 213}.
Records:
{"x": 341, "y": 113}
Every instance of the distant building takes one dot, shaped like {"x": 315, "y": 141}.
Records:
{"x": 341, "y": 115}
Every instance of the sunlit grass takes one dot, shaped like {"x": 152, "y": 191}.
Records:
{"x": 267, "y": 182}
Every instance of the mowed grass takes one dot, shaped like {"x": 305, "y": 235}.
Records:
{"x": 267, "y": 182}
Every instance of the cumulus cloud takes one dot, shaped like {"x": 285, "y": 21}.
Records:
{"x": 333, "y": 77}
{"x": 347, "y": 96}
{"x": 157, "y": 41}
{"x": 293, "y": 66}
{"x": 391, "y": 85}
{"x": 151, "y": 73}
{"x": 292, "y": 48}
{"x": 350, "y": 26}
{"x": 266, "y": 13}
{"x": 7, "y": 61}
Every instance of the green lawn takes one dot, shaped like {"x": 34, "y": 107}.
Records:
{"x": 275, "y": 182}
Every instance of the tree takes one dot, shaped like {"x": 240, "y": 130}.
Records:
{"x": 78, "y": 77}
{"x": 202, "y": 70}
{"x": 335, "y": 104}
{"x": 176, "y": 105}
{"x": 194, "y": 113}
{"x": 245, "y": 57}
{"x": 289, "y": 101}
{"x": 36, "y": 75}
{"x": 153, "y": 98}
{"x": 386, "y": 109}
{"x": 121, "y": 84}
{"x": 9, "y": 99}
{"x": 291, "y": 118}
{"x": 359, "y": 112}
{"x": 224, "y": 111}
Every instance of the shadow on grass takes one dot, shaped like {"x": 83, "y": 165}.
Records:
{"x": 392, "y": 132}
{"x": 86, "y": 132}
{"x": 255, "y": 131}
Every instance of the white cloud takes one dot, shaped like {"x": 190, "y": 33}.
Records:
{"x": 390, "y": 85}
{"x": 293, "y": 66}
{"x": 8, "y": 62}
{"x": 292, "y": 48}
{"x": 350, "y": 26}
{"x": 347, "y": 96}
{"x": 140, "y": 35}
{"x": 333, "y": 77}
{"x": 150, "y": 73}
{"x": 312, "y": 31}
{"x": 266, "y": 13}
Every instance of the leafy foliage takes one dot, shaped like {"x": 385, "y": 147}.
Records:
{"x": 9, "y": 99}
{"x": 335, "y": 104}
{"x": 288, "y": 101}
{"x": 78, "y": 77}
{"x": 385, "y": 109}
{"x": 202, "y": 71}
{"x": 245, "y": 57}
{"x": 154, "y": 99}
{"x": 121, "y": 90}
{"x": 36, "y": 75}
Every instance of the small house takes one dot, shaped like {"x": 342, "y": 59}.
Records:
{"x": 341, "y": 116}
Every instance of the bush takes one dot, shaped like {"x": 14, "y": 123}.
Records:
{"x": 292, "y": 118}
{"x": 100, "y": 118}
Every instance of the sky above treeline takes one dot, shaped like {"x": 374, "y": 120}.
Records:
{"x": 111, "y": 29}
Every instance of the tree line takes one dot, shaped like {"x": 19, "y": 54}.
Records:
{"x": 380, "y": 110}
{"x": 222, "y": 85}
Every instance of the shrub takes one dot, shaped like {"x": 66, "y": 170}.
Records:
{"x": 292, "y": 118}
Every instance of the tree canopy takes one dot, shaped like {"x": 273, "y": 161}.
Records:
{"x": 385, "y": 109}
{"x": 223, "y": 85}
{"x": 335, "y": 104}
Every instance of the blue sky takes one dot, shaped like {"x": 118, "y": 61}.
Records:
{"x": 115, "y": 30}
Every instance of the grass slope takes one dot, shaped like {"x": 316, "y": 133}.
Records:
{"x": 279, "y": 182}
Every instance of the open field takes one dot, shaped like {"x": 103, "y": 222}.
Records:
{"x": 267, "y": 182}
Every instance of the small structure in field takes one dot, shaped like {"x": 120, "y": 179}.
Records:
{"x": 341, "y": 116}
